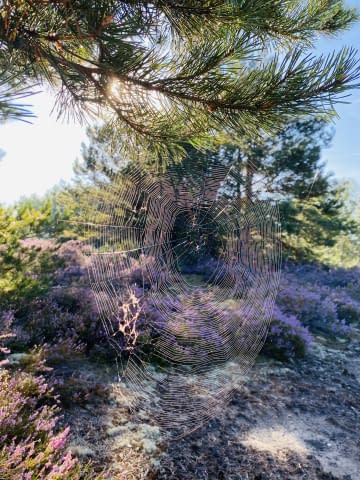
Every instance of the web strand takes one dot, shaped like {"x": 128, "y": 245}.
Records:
{"x": 185, "y": 277}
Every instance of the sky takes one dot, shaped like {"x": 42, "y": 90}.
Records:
{"x": 37, "y": 155}
{"x": 41, "y": 154}
{"x": 343, "y": 158}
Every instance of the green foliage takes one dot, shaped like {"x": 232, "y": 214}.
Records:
{"x": 25, "y": 266}
{"x": 31, "y": 445}
{"x": 316, "y": 225}
{"x": 286, "y": 343}
{"x": 55, "y": 209}
{"x": 213, "y": 67}
{"x": 311, "y": 202}
{"x": 312, "y": 205}
{"x": 11, "y": 91}
{"x": 346, "y": 251}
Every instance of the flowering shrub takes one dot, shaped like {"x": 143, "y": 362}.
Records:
{"x": 287, "y": 337}
{"x": 322, "y": 275}
{"x": 347, "y": 308}
{"x": 78, "y": 388}
{"x": 31, "y": 447}
{"x": 68, "y": 310}
{"x": 71, "y": 385}
{"x": 64, "y": 313}
{"x": 349, "y": 311}
{"x": 309, "y": 305}
{"x": 317, "y": 306}
{"x": 205, "y": 267}
{"x": 46, "y": 357}
{"x": 74, "y": 261}
{"x": 320, "y": 299}
{"x": 6, "y": 321}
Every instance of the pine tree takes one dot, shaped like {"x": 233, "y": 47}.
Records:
{"x": 346, "y": 251}
{"x": 288, "y": 166}
{"x": 12, "y": 91}
{"x": 167, "y": 72}
{"x": 310, "y": 199}
{"x": 18, "y": 258}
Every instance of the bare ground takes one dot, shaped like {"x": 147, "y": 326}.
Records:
{"x": 296, "y": 421}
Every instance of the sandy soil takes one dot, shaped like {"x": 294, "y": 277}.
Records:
{"x": 294, "y": 421}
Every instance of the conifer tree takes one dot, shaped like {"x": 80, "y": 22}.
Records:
{"x": 288, "y": 166}
{"x": 170, "y": 72}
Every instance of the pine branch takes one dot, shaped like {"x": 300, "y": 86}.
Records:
{"x": 194, "y": 61}
{"x": 11, "y": 91}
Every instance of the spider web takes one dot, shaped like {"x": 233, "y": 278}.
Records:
{"x": 185, "y": 273}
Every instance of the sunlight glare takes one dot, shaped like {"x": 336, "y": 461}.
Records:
{"x": 137, "y": 97}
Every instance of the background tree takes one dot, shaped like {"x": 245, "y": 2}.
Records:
{"x": 312, "y": 202}
{"x": 346, "y": 251}
{"x": 213, "y": 67}
{"x": 288, "y": 165}
{"x": 25, "y": 267}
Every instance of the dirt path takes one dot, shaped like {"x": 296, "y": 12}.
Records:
{"x": 296, "y": 421}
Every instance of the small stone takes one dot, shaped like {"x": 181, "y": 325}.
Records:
{"x": 82, "y": 451}
{"x": 15, "y": 358}
{"x": 341, "y": 340}
{"x": 115, "y": 431}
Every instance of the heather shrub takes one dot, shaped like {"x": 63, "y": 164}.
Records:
{"x": 31, "y": 444}
{"x": 6, "y": 334}
{"x": 320, "y": 275}
{"x": 347, "y": 308}
{"x": 287, "y": 337}
{"x": 205, "y": 267}
{"x": 78, "y": 388}
{"x": 349, "y": 311}
{"x": 64, "y": 350}
{"x": 65, "y": 363}
{"x": 68, "y": 310}
{"x": 306, "y": 303}
{"x": 321, "y": 299}
{"x": 47, "y": 321}
{"x": 313, "y": 305}
{"x": 68, "y": 313}
{"x": 74, "y": 259}
{"x": 45, "y": 358}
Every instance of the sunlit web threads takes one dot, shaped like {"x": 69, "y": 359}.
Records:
{"x": 185, "y": 271}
